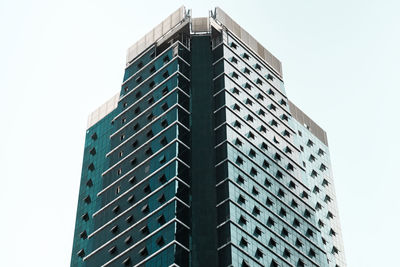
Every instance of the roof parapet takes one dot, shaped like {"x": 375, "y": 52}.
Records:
{"x": 249, "y": 40}
{"x": 156, "y": 33}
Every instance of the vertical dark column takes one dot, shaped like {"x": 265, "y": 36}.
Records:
{"x": 203, "y": 210}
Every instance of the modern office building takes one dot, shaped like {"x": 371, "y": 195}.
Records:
{"x": 201, "y": 159}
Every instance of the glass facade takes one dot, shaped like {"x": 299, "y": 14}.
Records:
{"x": 201, "y": 160}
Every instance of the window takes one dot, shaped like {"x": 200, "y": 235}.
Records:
{"x": 252, "y": 153}
{"x": 233, "y": 45}
{"x": 246, "y": 56}
{"x": 290, "y": 167}
{"x": 234, "y": 60}
{"x": 270, "y": 77}
{"x": 112, "y": 250}
{"x": 83, "y": 235}
{"x": 145, "y": 230}
{"x": 126, "y": 89}
{"x": 165, "y": 75}
{"x": 300, "y": 133}
{"x": 251, "y": 135}
{"x": 94, "y": 136}
{"x": 161, "y": 199}
{"x": 272, "y": 243}
{"x": 269, "y": 202}
{"x": 235, "y": 91}
{"x": 149, "y": 134}
{"x": 250, "y": 118}
{"x": 129, "y": 219}
{"x": 246, "y": 70}
{"x": 286, "y": 133}
{"x": 294, "y": 204}
{"x": 163, "y": 141}
{"x": 257, "y": 231}
{"x": 264, "y": 146}
{"x": 138, "y": 94}
{"x": 137, "y": 110}
{"x": 131, "y": 199}
{"x": 249, "y": 102}
{"x": 139, "y": 79}
{"x": 152, "y": 84}
{"x": 270, "y": 222}
{"x": 240, "y": 179}
{"x": 309, "y": 233}
{"x": 267, "y": 182}
{"x": 283, "y": 102}
{"x": 165, "y": 90}
{"x": 114, "y": 229}
{"x": 237, "y": 124}
{"x": 122, "y": 137}
{"x": 271, "y": 92}
{"x": 282, "y": 212}
{"x": 272, "y": 107}
{"x": 284, "y": 232}
{"x": 298, "y": 243}
{"x": 265, "y": 164}
{"x": 281, "y": 193}
{"x": 118, "y": 189}
{"x": 166, "y": 59}
{"x": 327, "y": 199}
{"x": 152, "y": 69}
{"x": 259, "y": 253}
{"x": 116, "y": 209}
{"x": 243, "y": 242}
{"x": 286, "y": 253}
{"x": 259, "y": 82}
{"x": 132, "y": 180}
{"x": 128, "y": 240}
{"x": 147, "y": 189}
{"x": 296, "y": 223}
{"x": 235, "y": 75}
{"x": 143, "y": 252}
{"x": 236, "y": 107}
{"x": 164, "y": 106}
{"x": 162, "y": 178}
{"x": 164, "y": 123}
{"x": 242, "y": 220}
{"x": 150, "y": 100}
{"x": 160, "y": 241}
{"x": 133, "y": 161}
{"x": 247, "y": 86}
{"x": 93, "y": 151}
{"x": 89, "y": 183}
{"x": 87, "y": 199}
{"x": 241, "y": 199}
{"x": 257, "y": 66}
{"x": 260, "y": 96}
{"x": 149, "y": 151}
{"x": 145, "y": 208}
{"x": 255, "y": 191}
{"x": 256, "y": 210}
{"x": 161, "y": 220}
{"x": 263, "y": 129}
{"x": 310, "y": 143}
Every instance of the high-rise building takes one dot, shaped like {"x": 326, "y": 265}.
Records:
{"x": 201, "y": 159}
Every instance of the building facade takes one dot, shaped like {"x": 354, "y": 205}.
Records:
{"x": 201, "y": 159}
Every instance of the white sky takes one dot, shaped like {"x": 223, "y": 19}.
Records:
{"x": 59, "y": 60}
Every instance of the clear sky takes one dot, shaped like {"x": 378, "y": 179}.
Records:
{"x": 59, "y": 60}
